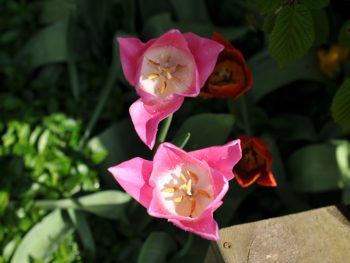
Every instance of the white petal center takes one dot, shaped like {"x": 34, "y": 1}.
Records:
{"x": 166, "y": 70}
{"x": 186, "y": 190}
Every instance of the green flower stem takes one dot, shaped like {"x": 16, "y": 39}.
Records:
{"x": 186, "y": 248}
{"x": 163, "y": 132}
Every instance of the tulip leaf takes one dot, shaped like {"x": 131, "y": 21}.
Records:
{"x": 207, "y": 129}
{"x": 43, "y": 239}
{"x": 181, "y": 140}
{"x": 274, "y": 77}
{"x": 292, "y": 35}
{"x": 314, "y": 168}
{"x": 341, "y": 105}
{"x": 47, "y": 46}
{"x": 109, "y": 204}
{"x": 344, "y": 34}
{"x": 156, "y": 248}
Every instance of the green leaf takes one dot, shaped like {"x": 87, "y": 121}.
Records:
{"x": 4, "y": 200}
{"x": 108, "y": 204}
{"x": 81, "y": 224}
{"x": 315, "y": 4}
{"x": 293, "y": 34}
{"x": 47, "y": 46}
{"x": 54, "y": 10}
{"x": 207, "y": 129}
{"x": 43, "y": 239}
{"x": 341, "y": 105}
{"x": 156, "y": 248}
{"x": 314, "y": 168}
{"x": 290, "y": 127}
{"x": 343, "y": 160}
{"x": 344, "y": 34}
{"x": 273, "y": 77}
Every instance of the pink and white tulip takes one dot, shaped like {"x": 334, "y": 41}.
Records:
{"x": 185, "y": 188}
{"x": 164, "y": 71}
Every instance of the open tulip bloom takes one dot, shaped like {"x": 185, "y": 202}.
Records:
{"x": 164, "y": 71}
{"x": 185, "y": 188}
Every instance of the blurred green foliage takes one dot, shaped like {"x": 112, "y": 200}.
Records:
{"x": 64, "y": 120}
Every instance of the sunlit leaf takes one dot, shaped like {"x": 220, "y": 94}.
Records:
{"x": 43, "y": 239}
{"x": 108, "y": 204}
{"x": 314, "y": 168}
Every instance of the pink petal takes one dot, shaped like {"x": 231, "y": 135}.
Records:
{"x": 220, "y": 185}
{"x": 205, "y": 52}
{"x": 133, "y": 176}
{"x": 205, "y": 226}
{"x": 146, "y": 118}
{"x": 221, "y": 158}
{"x": 167, "y": 157}
{"x": 131, "y": 50}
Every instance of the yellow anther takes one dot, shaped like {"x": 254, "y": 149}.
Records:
{"x": 193, "y": 206}
{"x": 170, "y": 190}
{"x": 189, "y": 187}
{"x": 203, "y": 193}
{"x": 193, "y": 176}
{"x": 178, "y": 199}
{"x": 183, "y": 177}
{"x": 153, "y": 76}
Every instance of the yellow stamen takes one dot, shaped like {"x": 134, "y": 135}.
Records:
{"x": 170, "y": 190}
{"x": 183, "y": 177}
{"x": 203, "y": 193}
{"x": 189, "y": 187}
{"x": 163, "y": 87}
{"x": 193, "y": 206}
{"x": 193, "y": 176}
{"x": 153, "y": 76}
{"x": 178, "y": 199}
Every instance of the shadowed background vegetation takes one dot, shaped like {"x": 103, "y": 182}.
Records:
{"x": 64, "y": 119}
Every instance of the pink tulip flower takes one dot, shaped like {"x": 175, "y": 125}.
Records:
{"x": 185, "y": 188}
{"x": 164, "y": 71}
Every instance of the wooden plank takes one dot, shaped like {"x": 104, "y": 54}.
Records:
{"x": 320, "y": 235}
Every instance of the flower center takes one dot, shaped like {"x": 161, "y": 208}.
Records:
{"x": 251, "y": 160}
{"x": 165, "y": 71}
{"x": 188, "y": 194}
{"x": 227, "y": 72}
